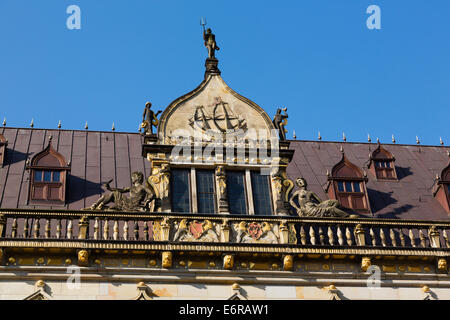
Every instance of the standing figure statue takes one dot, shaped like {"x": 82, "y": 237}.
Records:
{"x": 139, "y": 199}
{"x": 280, "y": 121}
{"x": 149, "y": 119}
{"x": 210, "y": 43}
{"x": 310, "y": 205}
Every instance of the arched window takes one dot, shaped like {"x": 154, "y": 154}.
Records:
{"x": 3, "y": 144}
{"x": 48, "y": 175}
{"x": 382, "y": 164}
{"x": 441, "y": 188}
{"x": 347, "y": 184}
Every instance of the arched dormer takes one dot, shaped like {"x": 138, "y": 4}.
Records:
{"x": 3, "y": 144}
{"x": 48, "y": 177}
{"x": 347, "y": 184}
{"x": 382, "y": 164}
{"x": 441, "y": 188}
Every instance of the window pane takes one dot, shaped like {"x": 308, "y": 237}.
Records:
{"x": 55, "y": 176}
{"x": 356, "y": 187}
{"x": 180, "y": 190}
{"x": 261, "y": 194}
{"x": 236, "y": 192}
{"x": 38, "y": 175}
{"x": 388, "y": 164}
{"x": 47, "y": 176}
{"x": 378, "y": 164}
{"x": 448, "y": 189}
{"x": 341, "y": 186}
{"x": 348, "y": 186}
{"x": 205, "y": 191}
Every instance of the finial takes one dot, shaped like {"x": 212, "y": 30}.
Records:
{"x": 393, "y": 139}
{"x": 113, "y": 127}
{"x": 437, "y": 176}
{"x": 50, "y": 138}
{"x": 378, "y": 140}
{"x": 328, "y": 173}
{"x": 448, "y": 153}
{"x": 4, "y": 122}
{"x": 59, "y": 124}
{"x": 293, "y": 135}
{"x": 32, "y": 123}
{"x": 342, "y": 149}
{"x": 440, "y": 139}
{"x": 364, "y": 173}
{"x": 417, "y": 140}
{"x": 344, "y": 137}
{"x": 140, "y": 128}
{"x": 319, "y": 137}
{"x": 86, "y": 126}
{"x": 368, "y": 138}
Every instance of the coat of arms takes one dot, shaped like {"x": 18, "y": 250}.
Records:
{"x": 254, "y": 230}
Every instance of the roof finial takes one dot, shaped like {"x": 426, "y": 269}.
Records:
{"x": 328, "y": 173}
{"x": 342, "y": 149}
{"x": 32, "y": 123}
{"x": 437, "y": 176}
{"x": 86, "y": 126}
{"x": 378, "y": 140}
{"x": 50, "y": 138}
{"x": 59, "y": 124}
{"x": 417, "y": 140}
{"x": 4, "y": 122}
{"x": 440, "y": 140}
{"x": 393, "y": 139}
{"x": 319, "y": 137}
{"x": 368, "y": 138}
{"x": 344, "y": 137}
{"x": 113, "y": 127}
{"x": 293, "y": 135}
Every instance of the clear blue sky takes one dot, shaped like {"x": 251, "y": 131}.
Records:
{"x": 315, "y": 57}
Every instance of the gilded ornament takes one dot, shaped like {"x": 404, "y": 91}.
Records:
{"x": 68, "y": 261}
{"x": 365, "y": 263}
{"x": 228, "y": 261}
{"x": 288, "y": 262}
{"x": 11, "y": 260}
{"x": 167, "y": 259}
{"x": 152, "y": 263}
{"x": 83, "y": 256}
{"x": 40, "y": 260}
{"x": 442, "y": 264}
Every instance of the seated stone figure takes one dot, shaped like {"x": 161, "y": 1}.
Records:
{"x": 310, "y": 205}
{"x": 139, "y": 199}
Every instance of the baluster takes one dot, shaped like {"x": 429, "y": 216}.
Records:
{"x": 339, "y": 234}
{"x": 136, "y": 230}
{"x": 145, "y": 230}
{"x": 125, "y": 230}
{"x": 302, "y": 235}
{"x": 402, "y": 238}
{"x": 348, "y": 235}
{"x": 58, "y": 229}
{"x": 47, "y": 229}
{"x": 393, "y": 240}
{"x": 116, "y": 230}
{"x": 36, "y": 227}
{"x": 106, "y": 229}
{"x": 382, "y": 237}
{"x": 372, "y": 236}
{"x": 411, "y": 237}
{"x": 14, "y": 228}
{"x": 25, "y": 229}
{"x": 69, "y": 229}
{"x": 312, "y": 235}
{"x": 445, "y": 235}
{"x": 321, "y": 236}
{"x": 422, "y": 239}
{"x": 96, "y": 229}
{"x": 330, "y": 236}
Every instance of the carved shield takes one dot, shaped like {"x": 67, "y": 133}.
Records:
{"x": 196, "y": 229}
{"x": 254, "y": 230}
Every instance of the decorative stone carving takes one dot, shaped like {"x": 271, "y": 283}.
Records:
{"x": 140, "y": 197}
{"x": 204, "y": 231}
{"x": 160, "y": 181}
{"x": 228, "y": 261}
{"x": 83, "y": 257}
{"x": 167, "y": 259}
{"x": 365, "y": 263}
{"x": 442, "y": 265}
{"x": 149, "y": 119}
{"x": 144, "y": 291}
{"x": 255, "y": 232}
{"x": 288, "y": 262}
{"x": 210, "y": 43}
{"x": 280, "y": 122}
{"x": 282, "y": 186}
{"x": 310, "y": 205}
{"x": 221, "y": 181}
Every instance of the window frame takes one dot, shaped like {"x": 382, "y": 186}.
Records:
{"x": 190, "y": 191}
{"x": 248, "y": 209}
{"x": 214, "y": 193}
{"x": 270, "y": 195}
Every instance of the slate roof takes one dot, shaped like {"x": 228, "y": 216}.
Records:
{"x": 97, "y": 157}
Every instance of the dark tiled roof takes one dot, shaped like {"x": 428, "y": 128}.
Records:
{"x": 97, "y": 157}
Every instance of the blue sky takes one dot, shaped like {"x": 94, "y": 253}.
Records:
{"x": 315, "y": 57}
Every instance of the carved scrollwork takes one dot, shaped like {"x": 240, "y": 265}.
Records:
{"x": 205, "y": 231}
{"x": 255, "y": 232}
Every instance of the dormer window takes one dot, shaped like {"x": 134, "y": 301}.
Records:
{"x": 347, "y": 184}
{"x": 3, "y": 144}
{"x": 48, "y": 174}
{"x": 382, "y": 164}
{"x": 441, "y": 188}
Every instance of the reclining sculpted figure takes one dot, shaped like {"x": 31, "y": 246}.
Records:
{"x": 139, "y": 199}
{"x": 310, "y": 205}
